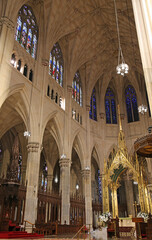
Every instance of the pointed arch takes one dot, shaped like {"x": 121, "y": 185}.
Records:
{"x": 27, "y": 30}
{"x": 78, "y": 145}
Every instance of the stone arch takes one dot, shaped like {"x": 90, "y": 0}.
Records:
{"x": 52, "y": 122}
{"x": 78, "y": 145}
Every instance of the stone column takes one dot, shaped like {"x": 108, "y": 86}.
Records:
{"x": 32, "y": 179}
{"x": 65, "y": 165}
{"x": 86, "y": 175}
{"x": 6, "y": 48}
{"x": 129, "y": 196}
{"x": 49, "y": 183}
{"x": 143, "y": 20}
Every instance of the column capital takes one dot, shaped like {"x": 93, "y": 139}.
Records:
{"x": 69, "y": 88}
{"x": 87, "y": 107}
{"x": 102, "y": 115}
{"x": 45, "y": 62}
{"x": 8, "y": 22}
{"x": 65, "y": 162}
{"x": 122, "y": 116}
{"x": 50, "y": 177}
{"x": 86, "y": 173}
{"x": 33, "y": 147}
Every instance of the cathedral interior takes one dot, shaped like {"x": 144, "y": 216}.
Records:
{"x": 75, "y": 132}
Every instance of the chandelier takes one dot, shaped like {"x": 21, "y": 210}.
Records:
{"x": 122, "y": 68}
{"x": 27, "y": 134}
{"x": 142, "y": 109}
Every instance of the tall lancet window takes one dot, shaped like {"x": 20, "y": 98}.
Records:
{"x": 56, "y": 64}
{"x": 110, "y": 107}
{"x": 93, "y": 108}
{"x": 131, "y": 104}
{"x": 27, "y": 30}
{"x": 77, "y": 88}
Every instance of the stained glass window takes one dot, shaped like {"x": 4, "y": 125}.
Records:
{"x": 27, "y": 30}
{"x": 29, "y": 41}
{"x": 44, "y": 176}
{"x": 131, "y": 104}
{"x": 110, "y": 107}
{"x": 24, "y": 35}
{"x": 99, "y": 187}
{"x": 77, "y": 89}
{"x": 56, "y": 64}
{"x": 34, "y": 47}
{"x": 93, "y": 109}
{"x": 19, "y": 166}
{"x": 18, "y": 29}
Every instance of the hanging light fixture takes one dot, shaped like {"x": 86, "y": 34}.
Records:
{"x": 122, "y": 67}
{"x": 142, "y": 109}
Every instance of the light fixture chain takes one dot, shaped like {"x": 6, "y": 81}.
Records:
{"x": 117, "y": 25}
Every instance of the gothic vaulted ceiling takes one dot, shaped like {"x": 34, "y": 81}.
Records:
{"x": 88, "y": 28}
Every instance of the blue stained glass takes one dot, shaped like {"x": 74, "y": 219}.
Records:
{"x": 113, "y": 109}
{"x": 76, "y": 88}
{"x": 29, "y": 39}
{"x": 57, "y": 72}
{"x": 131, "y": 104}
{"x": 24, "y": 35}
{"x": 54, "y": 67}
{"x": 80, "y": 97}
{"x": 61, "y": 75}
{"x": 108, "y": 116}
{"x": 110, "y": 107}
{"x": 90, "y": 112}
{"x": 99, "y": 187}
{"x": 78, "y": 94}
{"x": 93, "y": 110}
{"x": 34, "y": 46}
{"x": 18, "y": 29}
{"x": 27, "y": 31}
{"x": 50, "y": 64}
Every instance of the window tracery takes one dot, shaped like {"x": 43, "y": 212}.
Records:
{"x": 93, "y": 109}
{"x": 77, "y": 88}
{"x": 110, "y": 107}
{"x": 27, "y": 30}
{"x": 131, "y": 104}
{"x": 56, "y": 64}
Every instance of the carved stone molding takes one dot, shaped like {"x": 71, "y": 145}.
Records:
{"x": 122, "y": 116}
{"x": 69, "y": 88}
{"x": 50, "y": 177}
{"x": 88, "y": 108}
{"x": 64, "y": 163}
{"x": 45, "y": 62}
{"x": 7, "y": 22}
{"x": 102, "y": 115}
{"x": 33, "y": 147}
{"x": 86, "y": 173}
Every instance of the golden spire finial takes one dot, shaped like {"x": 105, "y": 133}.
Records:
{"x": 120, "y": 125}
